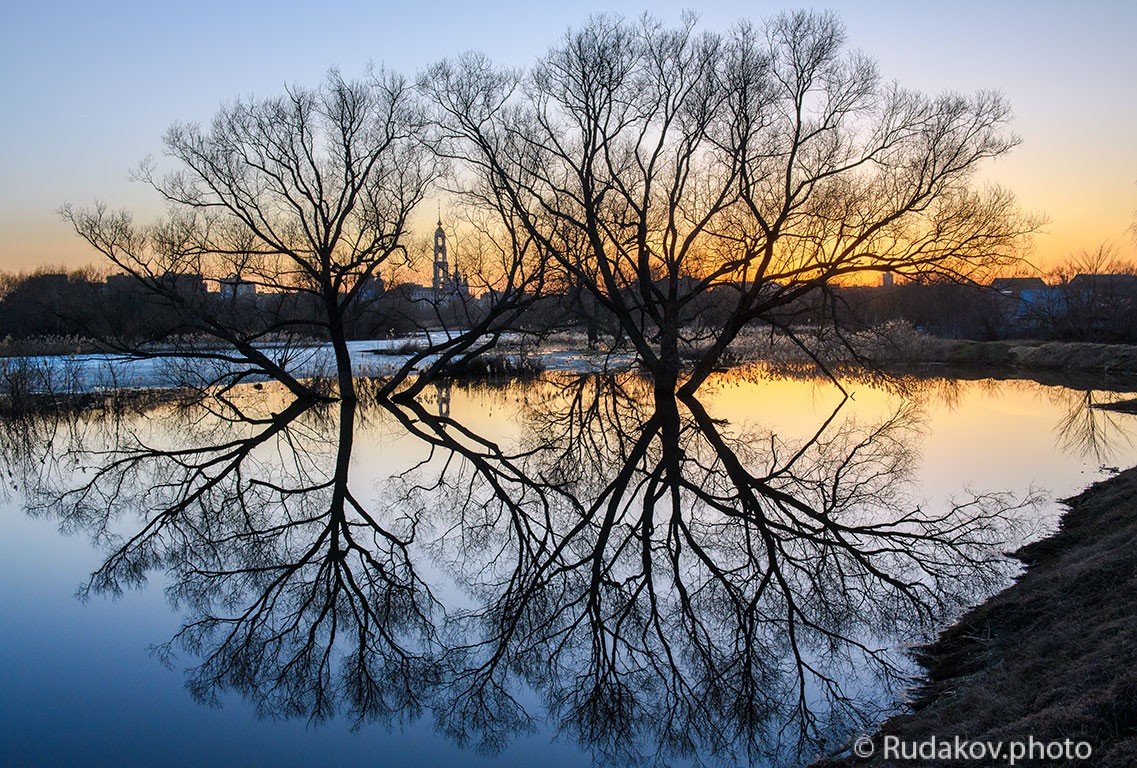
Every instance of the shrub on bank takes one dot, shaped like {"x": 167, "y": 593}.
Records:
{"x": 494, "y": 366}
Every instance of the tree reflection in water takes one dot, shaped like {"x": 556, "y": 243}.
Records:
{"x": 1089, "y": 426}
{"x": 667, "y": 584}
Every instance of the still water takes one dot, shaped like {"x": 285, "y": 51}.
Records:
{"x": 569, "y": 571}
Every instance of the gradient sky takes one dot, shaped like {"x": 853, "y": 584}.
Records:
{"x": 89, "y": 88}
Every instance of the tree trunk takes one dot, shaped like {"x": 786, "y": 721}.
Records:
{"x": 344, "y": 375}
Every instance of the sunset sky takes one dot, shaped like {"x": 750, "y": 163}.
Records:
{"x": 89, "y": 88}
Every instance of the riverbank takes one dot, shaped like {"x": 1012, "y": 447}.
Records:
{"x": 1046, "y": 356}
{"x": 892, "y": 347}
{"x": 899, "y": 347}
{"x": 1052, "y": 657}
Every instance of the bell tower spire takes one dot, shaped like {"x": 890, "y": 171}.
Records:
{"x": 441, "y": 264}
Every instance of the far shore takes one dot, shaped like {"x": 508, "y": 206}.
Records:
{"x": 887, "y": 348}
{"x": 894, "y": 351}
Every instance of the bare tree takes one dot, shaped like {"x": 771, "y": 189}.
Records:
{"x": 1095, "y": 293}
{"x": 304, "y": 194}
{"x": 655, "y": 166}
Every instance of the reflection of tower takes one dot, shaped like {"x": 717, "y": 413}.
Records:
{"x": 441, "y": 266}
{"x": 442, "y": 390}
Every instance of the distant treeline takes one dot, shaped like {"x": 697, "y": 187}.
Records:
{"x": 123, "y": 310}
{"x": 84, "y": 304}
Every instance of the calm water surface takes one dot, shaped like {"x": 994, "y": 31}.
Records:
{"x": 558, "y": 573}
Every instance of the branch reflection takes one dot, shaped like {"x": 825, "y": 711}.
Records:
{"x": 668, "y": 583}
{"x": 295, "y": 593}
{"x": 651, "y": 580}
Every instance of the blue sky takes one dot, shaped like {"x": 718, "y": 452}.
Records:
{"x": 90, "y": 88}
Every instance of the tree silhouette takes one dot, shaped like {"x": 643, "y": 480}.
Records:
{"x": 305, "y": 195}
{"x": 656, "y": 166}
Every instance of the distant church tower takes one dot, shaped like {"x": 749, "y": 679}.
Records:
{"x": 441, "y": 265}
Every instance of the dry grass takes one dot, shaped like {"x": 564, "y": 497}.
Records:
{"x": 899, "y": 346}
{"x": 889, "y": 345}
{"x": 1120, "y": 358}
{"x": 47, "y": 345}
{"x": 494, "y": 366}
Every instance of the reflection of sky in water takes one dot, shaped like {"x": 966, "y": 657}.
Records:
{"x": 982, "y": 434}
{"x": 79, "y": 688}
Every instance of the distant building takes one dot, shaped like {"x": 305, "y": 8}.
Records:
{"x": 446, "y": 285}
{"x": 416, "y": 292}
{"x": 47, "y": 283}
{"x": 684, "y": 285}
{"x": 371, "y": 289}
{"x": 183, "y": 283}
{"x": 1102, "y": 307}
{"x": 1015, "y": 286}
{"x": 1115, "y": 284}
{"x": 887, "y": 280}
{"x": 236, "y": 287}
{"x": 121, "y": 282}
{"x": 1030, "y": 302}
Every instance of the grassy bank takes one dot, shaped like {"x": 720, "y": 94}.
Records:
{"x": 1052, "y": 657}
{"x": 1051, "y": 355}
{"x": 899, "y": 347}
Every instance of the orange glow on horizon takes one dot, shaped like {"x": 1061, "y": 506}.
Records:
{"x": 42, "y": 240}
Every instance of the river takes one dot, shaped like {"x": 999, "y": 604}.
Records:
{"x": 558, "y": 571}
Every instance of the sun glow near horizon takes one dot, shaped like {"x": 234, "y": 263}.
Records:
{"x": 89, "y": 112}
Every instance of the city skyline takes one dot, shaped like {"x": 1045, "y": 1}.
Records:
{"x": 96, "y": 88}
